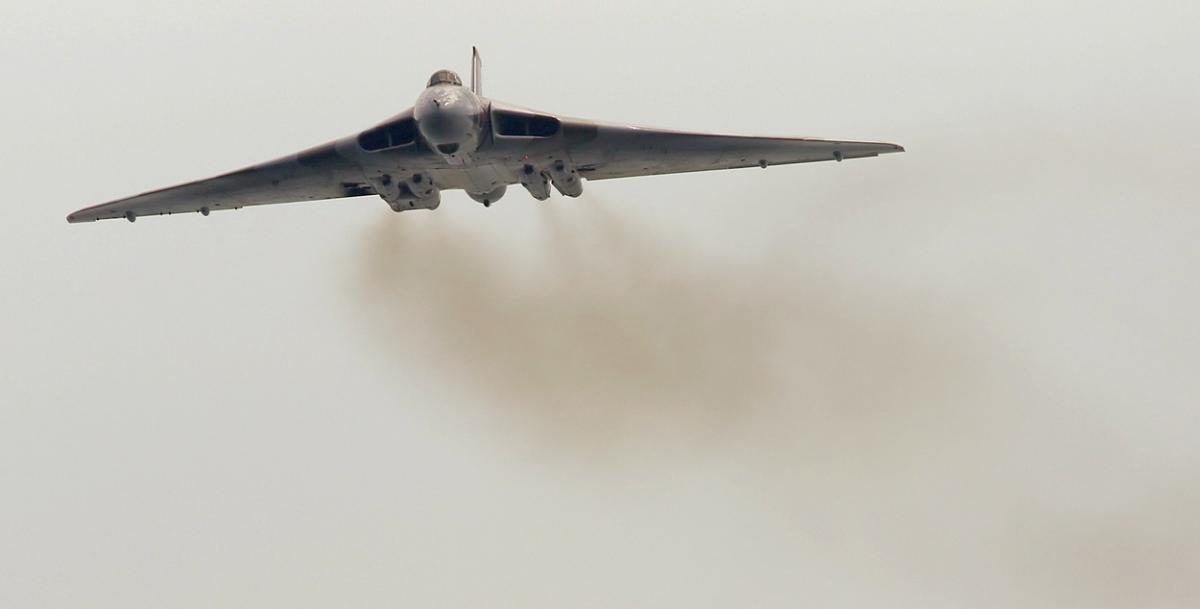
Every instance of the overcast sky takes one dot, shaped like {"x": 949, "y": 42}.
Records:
{"x": 965, "y": 376}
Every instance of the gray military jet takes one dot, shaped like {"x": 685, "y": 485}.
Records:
{"x": 455, "y": 138}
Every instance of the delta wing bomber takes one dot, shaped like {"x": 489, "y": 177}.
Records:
{"x": 454, "y": 138}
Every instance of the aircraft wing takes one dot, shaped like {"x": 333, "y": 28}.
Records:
{"x": 602, "y": 151}
{"x": 322, "y": 172}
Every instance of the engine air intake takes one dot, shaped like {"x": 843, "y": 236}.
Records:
{"x": 527, "y": 125}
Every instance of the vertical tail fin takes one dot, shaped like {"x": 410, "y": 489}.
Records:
{"x": 476, "y": 72}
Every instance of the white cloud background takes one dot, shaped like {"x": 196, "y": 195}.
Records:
{"x": 962, "y": 376}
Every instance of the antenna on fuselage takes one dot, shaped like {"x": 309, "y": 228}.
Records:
{"x": 476, "y": 72}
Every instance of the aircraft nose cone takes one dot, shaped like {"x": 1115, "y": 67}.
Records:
{"x": 442, "y": 128}
{"x": 447, "y": 118}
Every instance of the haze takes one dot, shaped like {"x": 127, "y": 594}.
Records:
{"x": 961, "y": 376}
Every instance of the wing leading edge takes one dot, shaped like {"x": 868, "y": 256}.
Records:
{"x": 614, "y": 151}
{"x": 322, "y": 172}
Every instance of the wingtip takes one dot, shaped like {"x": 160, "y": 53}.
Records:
{"x": 81, "y": 216}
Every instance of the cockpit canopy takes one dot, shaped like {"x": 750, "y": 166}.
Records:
{"x": 445, "y": 77}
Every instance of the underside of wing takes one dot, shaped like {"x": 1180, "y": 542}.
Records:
{"x": 613, "y": 151}
{"x": 322, "y": 172}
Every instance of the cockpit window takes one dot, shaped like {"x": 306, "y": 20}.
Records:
{"x": 445, "y": 77}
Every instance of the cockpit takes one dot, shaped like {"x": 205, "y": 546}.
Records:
{"x": 444, "y": 77}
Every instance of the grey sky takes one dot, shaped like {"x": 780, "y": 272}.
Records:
{"x": 962, "y": 376}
